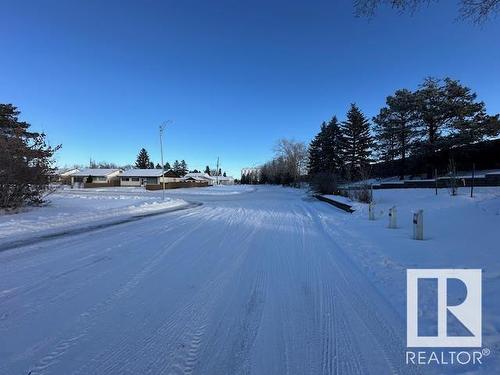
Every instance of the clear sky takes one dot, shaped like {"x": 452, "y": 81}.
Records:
{"x": 234, "y": 76}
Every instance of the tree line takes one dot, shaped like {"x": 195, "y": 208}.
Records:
{"x": 143, "y": 161}
{"x": 441, "y": 114}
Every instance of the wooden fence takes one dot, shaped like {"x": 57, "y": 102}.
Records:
{"x": 176, "y": 185}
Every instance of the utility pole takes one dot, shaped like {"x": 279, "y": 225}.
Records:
{"x": 217, "y": 172}
{"x": 162, "y": 129}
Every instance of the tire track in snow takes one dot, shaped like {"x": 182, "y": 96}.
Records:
{"x": 184, "y": 328}
{"x": 89, "y": 318}
{"x": 365, "y": 311}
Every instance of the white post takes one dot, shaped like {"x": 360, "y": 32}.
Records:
{"x": 393, "y": 218}
{"x": 371, "y": 211}
{"x": 418, "y": 225}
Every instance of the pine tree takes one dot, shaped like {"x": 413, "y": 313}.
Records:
{"x": 449, "y": 115}
{"x": 315, "y": 161}
{"x": 332, "y": 154}
{"x": 469, "y": 121}
{"x": 158, "y": 166}
{"x": 224, "y": 174}
{"x": 396, "y": 128}
{"x": 167, "y": 166}
{"x": 357, "y": 142}
{"x": 142, "y": 161}
{"x": 151, "y": 165}
{"x": 183, "y": 168}
{"x": 25, "y": 161}
{"x": 176, "y": 167}
{"x": 207, "y": 170}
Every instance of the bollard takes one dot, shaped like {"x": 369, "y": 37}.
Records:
{"x": 418, "y": 225}
{"x": 393, "y": 217}
{"x": 371, "y": 211}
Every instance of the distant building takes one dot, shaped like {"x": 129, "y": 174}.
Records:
{"x": 224, "y": 180}
{"x": 142, "y": 177}
{"x": 199, "y": 177}
{"x": 63, "y": 176}
{"x": 97, "y": 177}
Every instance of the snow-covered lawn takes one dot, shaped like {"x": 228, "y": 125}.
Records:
{"x": 79, "y": 207}
{"x": 460, "y": 232}
{"x": 68, "y": 208}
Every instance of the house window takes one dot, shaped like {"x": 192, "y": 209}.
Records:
{"x": 135, "y": 178}
{"x": 125, "y": 179}
{"x": 151, "y": 180}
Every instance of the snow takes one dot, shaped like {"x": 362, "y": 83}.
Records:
{"x": 339, "y": 198}
{"x": 460, "y": 232}
{"x": 142, "y": 173}
{"x": 258, "y": 280}
{"x": 79, "y": 207}
{"x": 96, "y": 172}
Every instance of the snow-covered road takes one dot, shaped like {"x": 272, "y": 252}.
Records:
{"x": 245, "y": 283}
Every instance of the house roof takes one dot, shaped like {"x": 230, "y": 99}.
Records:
{"x": 199, "y": 176}
{"x": 99, "y": 172}
{"x": 65, "y": 171}
{"x": 142, "y": 173}
{"x": 148, "y": 173}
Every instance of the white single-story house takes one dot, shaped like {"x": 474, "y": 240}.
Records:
{"x": 199, "y": 177}
{"x": 224, "y": 180}
{"x": 211, "y": 180}
{"x": 142, "y": 177}
{"x": 63, "y": 176}
{"x": 97, "y": 176}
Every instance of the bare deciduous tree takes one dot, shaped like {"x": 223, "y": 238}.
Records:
{"x": 294, "y": 156}
{"x": 478, "y": 11}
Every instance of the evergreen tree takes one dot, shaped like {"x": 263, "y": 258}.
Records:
{"x": 469, "y": 121}
{"x": 396, "y": 128}
{"x": 325, "y": 150}
{"x": 25, "y": 161}
{"x": 176, "y": 167}
{"x": 357, "y": 142}
{"x": 151, "y": 165}
{"x": 167, "y": 166}
{"x": 220, "y": 172}
{"x": 224, "y": 174}
{"x": 332, "y": 153}
{"x": 158, "y": 166}
{"x": 449, "y": 115}
{"x": 142, "y": 161}
{"x": 183, "y": 168}
{"x": 207, "y": 170}
{"x": 315, "y": 161}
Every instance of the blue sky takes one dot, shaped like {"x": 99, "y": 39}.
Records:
{"x": 234, "y": 76}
